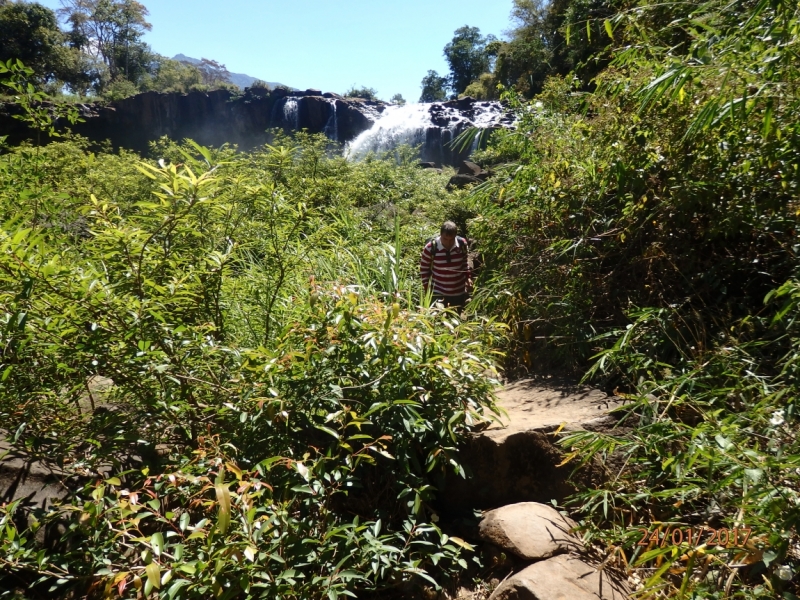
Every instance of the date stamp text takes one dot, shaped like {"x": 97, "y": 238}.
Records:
{"x": 724, "y": 537}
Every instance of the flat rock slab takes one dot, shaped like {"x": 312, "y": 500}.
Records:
{"x": 540, "y": 405}
{"x": 36, "y": 483}
{"x": 516, "y": 460}
{"x": 529, "y": 530}
{"x": 560, "y": 578}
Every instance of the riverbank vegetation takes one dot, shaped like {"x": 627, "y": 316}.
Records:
{"x": 227, "y": 354}
{"x": 282, "y": 404}
{"x": 646, "y": 232}
{"x": 546, "y": 39}
{"x": 99, "y": 52}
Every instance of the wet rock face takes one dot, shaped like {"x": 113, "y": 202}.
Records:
{"x": 211, "y": 119}
{"x": 218, "y": 117}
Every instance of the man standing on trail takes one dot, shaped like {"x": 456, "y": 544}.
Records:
{"x": 445, "y": 265}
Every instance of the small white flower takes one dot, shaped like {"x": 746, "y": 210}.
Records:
{"x": 777, "y": 418}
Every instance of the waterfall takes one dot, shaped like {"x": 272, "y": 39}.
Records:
{"x": 284, "y": 113}
{"x": 475, "y": 141}
{"x": 331, "y": 128}
{"x": 397, "y": 125}
{"x": 433, "y": 126}
{"x": 290, "y": 113}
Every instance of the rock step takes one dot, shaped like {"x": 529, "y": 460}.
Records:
{"x": 37, "y": 483}
{"x": 517, "y": 460}
{"x": 529, "y": 530}
{"x": 560, "y": 578}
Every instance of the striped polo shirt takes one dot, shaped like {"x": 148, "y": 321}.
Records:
{"x": 449, "y": 269}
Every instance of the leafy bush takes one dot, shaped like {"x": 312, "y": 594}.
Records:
{"x": 355, "y": 411}
{"x": 277, "y": 420}
{"x": 119, "y": 89}
{"x": 714, "y": 443}
{"x": 364, "y": 92}
{"x": 647, "y": 232}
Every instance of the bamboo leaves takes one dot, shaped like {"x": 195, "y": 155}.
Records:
{"x": 609, "y": 29}
{"x": 731, "y": 55}
{"x": 223, "y": 495}
{"x": 208, "y": 304}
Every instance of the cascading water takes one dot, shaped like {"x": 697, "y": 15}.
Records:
{"x": 284, "y": 114}
{"x": 433, "y": 126}
{"x": 331, "y": 128}
{"x": 475, "y": 142}
{"x": 398, "y": 125}
{"x": 290, "y": 113}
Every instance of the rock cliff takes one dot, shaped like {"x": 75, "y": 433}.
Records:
{"x": 219, "y": 117}
{"x": 211, "y": 118}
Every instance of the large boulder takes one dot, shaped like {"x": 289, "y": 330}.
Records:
{"x": 464, "y": 103}
{"x": 352, "y": 119}
{"x": 468, "y": 167}
{"x": 460, "y": 180}
{"x": 560, "y": 578}
{"x": 518, "y": 459}
{"x": 529, "y": 530}
{"x": 35, "y": 483}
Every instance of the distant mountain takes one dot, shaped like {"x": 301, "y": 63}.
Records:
{"x": 238, "y": 79}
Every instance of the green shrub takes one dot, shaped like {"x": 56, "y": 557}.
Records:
{"x": 354, "y": 411}
{"x": 361, "y": 92}
{"x": 120, "y": 89}
{"x": 635, "y": 232}
{"x": 279, "y": 419}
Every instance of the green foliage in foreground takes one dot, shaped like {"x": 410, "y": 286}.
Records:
{"x": 281, "y": 411}
{"x": 648, "y": 232}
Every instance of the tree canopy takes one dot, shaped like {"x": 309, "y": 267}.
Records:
{"x": 101, "y": 52}
{"x": 30, "y": 32}
{"x": 110, "y": 31}
{"x": 364, "y": 92}
{"x": 434, "y": 87}
{"x": 536, "y": 47}
{"x": 212, "y": 72}
{"x": 467, "y": 56}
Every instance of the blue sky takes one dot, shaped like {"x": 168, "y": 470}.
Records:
{"x": 319, "y": 43}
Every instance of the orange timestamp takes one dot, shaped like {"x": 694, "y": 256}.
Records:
{"x": 724, "y": 537}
